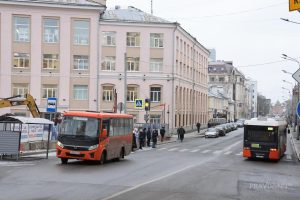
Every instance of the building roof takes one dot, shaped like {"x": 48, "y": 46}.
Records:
{"x": 81, "y": 3}
{"x": 131, "y": 14}
{"x": 28, "y": 120}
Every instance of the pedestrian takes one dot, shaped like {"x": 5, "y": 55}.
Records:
{"x": 154, "y": 138}
{"x": 181, "y": 133}
{"x": 198, "y": 127}
{"x": 142, "y": 136}
{"x": 136, "y": 134}
{"x": 148, "y": 137}
{"x": 134, "y": 145}
{"x": 162, "y": 132}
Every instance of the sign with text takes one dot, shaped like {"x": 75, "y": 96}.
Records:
{"x": 294, "y": 5}
{"x": 51, "y": 104}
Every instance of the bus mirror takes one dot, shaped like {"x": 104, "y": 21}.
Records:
{"x": 289, "y": 131}
{"x": 104, "y": 133}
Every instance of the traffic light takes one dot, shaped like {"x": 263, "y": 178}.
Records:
{"x": 147, "y": 104}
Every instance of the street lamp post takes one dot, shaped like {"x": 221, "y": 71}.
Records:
{"x": 284, "y": 56}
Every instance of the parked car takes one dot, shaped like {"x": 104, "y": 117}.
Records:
{"x": 222, "y": 130}
{"x": 212, "y": 132}
{"x": 240, "y": 123}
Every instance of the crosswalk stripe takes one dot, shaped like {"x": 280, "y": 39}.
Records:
{"x": 217, "y": 151}
{"x": 173, "y": 149}
{"x": 239, "y": 154}
{"x": 228, "y": 152}
{"x": 195, "y": 150}
{"x": 161, "y": 148}
{"x": 183, "y": 150}
{"x": 206, "y": 151}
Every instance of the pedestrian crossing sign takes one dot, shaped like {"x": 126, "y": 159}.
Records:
{"x": 139, "y": 104}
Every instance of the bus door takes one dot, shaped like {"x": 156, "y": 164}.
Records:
{"x": 109, "y": 145}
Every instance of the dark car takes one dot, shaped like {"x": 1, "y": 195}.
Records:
{"x": 222, "y": 130}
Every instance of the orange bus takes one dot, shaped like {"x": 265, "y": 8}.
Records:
{"x": 94, "y": 136}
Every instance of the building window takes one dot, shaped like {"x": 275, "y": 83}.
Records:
{"x": 80, "y": 92}
{"x": 49, "y": 91}
{"x": 132, "y": 64}
{"x": 21, "y": 60}
{"x": 155, "y": 94}
{"x": 109, "y": 63}
{"x": 156, "y": 40}
{"x": 131, "y": 94}
{"x": 50, "y": 61}
{"x": 133, "y": 39}
{"x": 81, "y": 62}
{"x": 81, "y": 32}
{"x": 212, "y": 79}
{"x": 107, "y": 93}
{"x": 109, "y": 38}
{"x": 156, "y": 64}
{"x": 155, "y": 119}
{"x": 51, "y": 30}
{"x": 20, "y": 89}
{"x": 21, "y": 29}
{"x": 221, "y": 79}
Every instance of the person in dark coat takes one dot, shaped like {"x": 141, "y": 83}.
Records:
{"x": 148, "y": 137}
{"x": 162, "y": 132}
{"x": 198, "y": 127}
{"x": 142, "y": 137}
{"x": 181, "y": 133}
{"x": 133, "y": 142}
{"x": 154, "y": 138}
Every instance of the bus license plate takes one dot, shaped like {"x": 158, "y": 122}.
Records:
{"x": 75, "y": 152}
{"x": 255, "y": 145}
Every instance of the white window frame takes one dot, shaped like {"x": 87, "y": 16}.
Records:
{"x": 133, "y": 39}
{"x": 80, "y": 92}
{"x": 52, "y": 62}
{"x": 51, "y": 32}
{"x": 156, "y": 40}
{"x": 131, "y": 94}
{"x": 23, "y": 60}
{"x": 155, "y": 95}
{"x": 132, "y": 64}
{"x": 49, "y": 89}
{"x": 109, "y": 63}
{"x": 81, "y": 34}
{"x": 156, "y": 65}
{"x": 109, "y": 38}
{"x": 80, "y": 62}
{"x": 21, "y": 30}
{"x": 107, "y": 94}
{"x": 20, "y": 89}
{"x": 155, "y": 119}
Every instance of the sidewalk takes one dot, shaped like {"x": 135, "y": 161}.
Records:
{"x": 174, "y": 137}
{"x": 295, "y": 143}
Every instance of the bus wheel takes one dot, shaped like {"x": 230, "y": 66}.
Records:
{"x": 102, "y": 159}
{"x": 64, "y": 161}
{"x": 122, "y": 153}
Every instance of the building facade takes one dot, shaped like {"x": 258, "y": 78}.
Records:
{"x": 60, "y": 49}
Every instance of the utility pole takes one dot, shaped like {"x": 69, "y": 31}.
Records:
{"x": 151, "y": 7}
{"x": 125, "y": 83}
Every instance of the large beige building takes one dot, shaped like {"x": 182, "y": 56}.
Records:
{"x": 60, "y": 49}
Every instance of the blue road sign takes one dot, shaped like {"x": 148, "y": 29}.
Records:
{"x": 139, "y": 103}
{"x": 298, "y": 109}
{"x": 51, "y": 104}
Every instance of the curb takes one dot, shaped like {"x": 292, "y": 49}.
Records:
{"x": 294, "y": 147}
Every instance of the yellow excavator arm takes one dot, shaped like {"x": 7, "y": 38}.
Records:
{"x": 16, "y": 101}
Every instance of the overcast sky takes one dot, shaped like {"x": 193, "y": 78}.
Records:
{"x": 249, "y": 33}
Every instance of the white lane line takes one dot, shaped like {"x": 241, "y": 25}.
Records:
{"x": 16, "y": 164}
{"x": 183, "y": 150}
{"x": 288, "y": 157}
{"x": 230, "y": 146}
{"x": 51, "y": 154}
{"x": 228, "y": 152}
{"x": 217, "y": 151}
{"x": 148, "y": 182}
{"x": 161, "y": 148}
{"x": 239, "y": 154}
{"x": 173, "y": 149}
{"x": 196, "y": 150}
{"x": 206, "y": 151}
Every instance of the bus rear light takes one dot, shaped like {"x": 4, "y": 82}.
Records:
{"x": 273, "y": 149}
{"x": 246, "y": 152}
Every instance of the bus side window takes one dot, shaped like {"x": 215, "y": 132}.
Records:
{"x": 105, "y": 125}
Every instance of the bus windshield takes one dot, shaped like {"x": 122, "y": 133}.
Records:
{"x": 261, "y": 134}
{"x": 80, "y": 126}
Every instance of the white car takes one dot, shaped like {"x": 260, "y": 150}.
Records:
{"x": 212, "y": 132}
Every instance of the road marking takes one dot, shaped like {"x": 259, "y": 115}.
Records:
{"x": 239, "y": 154}
{"x": 51, "y": 154}
{"x": 217, "y": 151}
{"x": 206, "y": 151}
{"x": 230, "y": 146}
{"x": 183, "y": 150}
{"x": 288, "y": 157}
{"x": 16, "y": 164}
{"x": 228, "y": 152}
{"x": 195, "y": 150}
{"x": 148, "y": 182}
{"x": 173, "y": 149}
{"x": 161, "y": 148}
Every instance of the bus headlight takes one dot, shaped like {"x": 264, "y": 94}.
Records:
{"x": 93, "y": 147}
{"x": 60, "y": 144}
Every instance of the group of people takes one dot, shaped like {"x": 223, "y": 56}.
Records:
{"x": 145, "y": 136}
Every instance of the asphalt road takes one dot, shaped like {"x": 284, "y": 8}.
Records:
{"x": 198, "y": 168}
